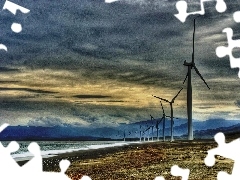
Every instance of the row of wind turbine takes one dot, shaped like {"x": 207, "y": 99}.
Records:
{"x": 191, "y": 65}
{"x": 171, "y": 105}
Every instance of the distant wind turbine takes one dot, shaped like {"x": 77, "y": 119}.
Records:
{"x": 148, "y": 131}
{"x": 144, "y": 131}
{"x": 157, "y": 122}
{"x": 140, "y": 133}
{"x": 163, "y": 118}
{"x": 152, "y": 126}
{"x": 171, "y": 105}
{"x": 189, "y": 89}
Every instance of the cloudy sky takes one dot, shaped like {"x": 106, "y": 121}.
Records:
{"x": 91, "y": 63}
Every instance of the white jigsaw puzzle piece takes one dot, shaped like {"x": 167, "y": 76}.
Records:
{"x": 3, "y": 126}
{"x": 222, "y": 51}
{"x": 227, "y": 150}
{"x": 35, "y": 164}
{"x": 8, "y": 165}
{"x": 2, "y": 46}
{"x": 33, "y": 169}
{"x": 159, "y": 178}
{"x": 110, "y": 1}
{"x": 182, "y": 6}
{"x": 236, "y": 16}
{"x": 12, "y": 7}
{"x": 177, "y": 171}
{"x": 86, "y": 178}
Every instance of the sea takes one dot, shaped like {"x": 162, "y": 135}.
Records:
{"x": 53, "y": 148}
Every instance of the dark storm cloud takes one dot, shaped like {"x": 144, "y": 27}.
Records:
{"x": 52, "y": 27}
{"x": 122, "y": 41}
{"x": 19, "y": 105}
{"x": 106, "y": 26}
{"x": 8, "y": 82}
{"x": 6, "y": 69}
{"x": 95, "y": 36}
{"x": 90, "y": 96}
{"x": 28, "y": 90}
{"x": 206, "y": 107}
{"x": 112, "y": 101}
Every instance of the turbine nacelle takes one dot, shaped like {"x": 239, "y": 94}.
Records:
{"x": 192, "y": 64}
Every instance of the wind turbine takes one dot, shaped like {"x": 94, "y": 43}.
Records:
{"x": 152, "y": 125}
{"x": 191, "y": 65}
{"x": 163, "y": 118}
{"x": 148, "y": 131}
{"x": 171, "y": 105}
{"x": 157, "y": 122}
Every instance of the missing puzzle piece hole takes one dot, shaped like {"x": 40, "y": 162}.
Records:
{"x": 221, "y": 51}
{"x": 209, "y": 161}
{"x": 236, "y": 16}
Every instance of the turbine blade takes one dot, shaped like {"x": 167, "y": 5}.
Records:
{"x": 185, "y": 78}
{"x": 161, "y": 98}
{"x": 162, "y": 107}
{"x": 193, "y": 41}
{"x": 152, "y": 118}
{"x": 176, "y": 95}
{"x": 147, "y": 128}
{"x": 173, "y": 117}
{"x": 161, "y": 120}
{"x": 200, "y": 76}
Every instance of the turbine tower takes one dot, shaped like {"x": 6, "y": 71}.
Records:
{"x": 152, "y": 126}
{"x": 157, "y": 122}
{"x": 171, "y": 105}
{"x": 163, "y": 118}
{"x": 191, "y": 65}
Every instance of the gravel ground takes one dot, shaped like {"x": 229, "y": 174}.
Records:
{"x": 142, "y": 161}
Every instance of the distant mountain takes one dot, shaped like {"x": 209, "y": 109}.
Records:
{"x": 202, "y": 129}
{"x": 231, "y": 132}
{"x": 49, "y": 133}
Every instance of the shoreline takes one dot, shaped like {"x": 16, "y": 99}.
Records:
{"x": 51, "y": 153}
{"x": 87, "y": 153}
{"x": 145, "y": 160}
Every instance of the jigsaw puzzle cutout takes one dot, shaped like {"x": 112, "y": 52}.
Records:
{"x": 110, "y": 1}
{"x": 223, "y": 51}
{"x": 221, "y": 7}
{"x": 177, "y": 171}
{"x": 236, "y": 16}
{"x": 182, "y": 7}
{"x": 33, "y": 168}
{"x": 227, "y": 150}
{"x": 15, "y": 27}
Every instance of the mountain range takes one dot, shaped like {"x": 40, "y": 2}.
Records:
{"x": 202, "y": 129}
